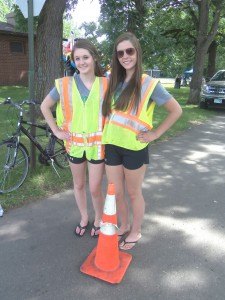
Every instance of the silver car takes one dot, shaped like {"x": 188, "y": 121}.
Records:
{"x": 213, "y": 91}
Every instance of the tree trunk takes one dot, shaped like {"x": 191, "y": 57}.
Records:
{"x": 196, "y": 81}
{"x": 204, "y": 39}
{"x": 48, "y": 47}
{"x": 211, "y": 59}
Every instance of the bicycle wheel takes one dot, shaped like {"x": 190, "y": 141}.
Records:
{"x": 12, "y": 171}
{"x": 60, "y": 155}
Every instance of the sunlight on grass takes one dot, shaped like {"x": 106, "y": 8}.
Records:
{"x": 39, "y": 180}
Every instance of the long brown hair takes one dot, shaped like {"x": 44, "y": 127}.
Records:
{"x": 131, "y": 94}
{"x": 86, "y": 44}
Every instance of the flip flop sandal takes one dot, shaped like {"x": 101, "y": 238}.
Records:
{"x": 95, "y": 230}
{"x": 80, "y": 230}
{"x": 122, "y": 246}
{"x": 121, "y": 235}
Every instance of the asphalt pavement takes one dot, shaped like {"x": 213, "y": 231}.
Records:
{"x": 181, "y": 255}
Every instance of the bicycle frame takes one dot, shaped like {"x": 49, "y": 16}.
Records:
{"x": 20, "y": 128}
{"x": 16, "y": 155}
{"x": 33, "y": 138}
{"x": 15, "y": 138}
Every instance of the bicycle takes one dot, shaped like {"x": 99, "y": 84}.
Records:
{"x": 14, "y": 156}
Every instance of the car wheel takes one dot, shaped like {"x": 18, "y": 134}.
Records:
{"x": 202, "y": 104}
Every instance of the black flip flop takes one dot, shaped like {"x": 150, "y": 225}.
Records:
{"x": 80, "y": 229}
{"x": 95, "y": 228}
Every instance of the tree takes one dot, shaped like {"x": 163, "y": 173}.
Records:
{"x": 5, "y": 8}
{"x": 48, "y": 47}
{"x": 68, "y": 28}
{"x": 48, "y": 43}
{"x": 167, "y": 34}
{"x": 206, "y": 19}
{"x": 216, "y": 58}
{"x": 117, "y": 16}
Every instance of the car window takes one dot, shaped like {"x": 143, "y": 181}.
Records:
{"x": 219, "y": 76}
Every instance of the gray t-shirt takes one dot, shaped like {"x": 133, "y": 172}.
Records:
{"x": 84, "y": 92}
{"x": 160, "y": 95}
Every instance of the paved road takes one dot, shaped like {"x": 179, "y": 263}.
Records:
{"x": 180, "y": 257}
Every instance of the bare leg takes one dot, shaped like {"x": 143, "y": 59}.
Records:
{"x": 95, "y": 184}
{"x": 79, "y": 182}
{"x": 115, "y": 174}
{"x": 134, "y": 179}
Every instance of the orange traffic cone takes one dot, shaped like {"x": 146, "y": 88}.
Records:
{"x": 105, "y": 261}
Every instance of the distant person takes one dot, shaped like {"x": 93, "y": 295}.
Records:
{"x": 69, "y": 66}
{"x": 80, "y": 124}
{"x": 177, "y": 82}
{"x": 107, "y": 71}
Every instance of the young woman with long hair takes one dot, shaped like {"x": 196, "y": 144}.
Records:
{"x": 128, "y": 108}
{"x": 80, "y": 123}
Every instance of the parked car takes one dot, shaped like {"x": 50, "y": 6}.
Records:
{"x": 213, "y": 91}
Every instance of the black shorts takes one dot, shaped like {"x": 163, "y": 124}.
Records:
{"x": 79, "y": 160}
{"x": 130, "y": 159}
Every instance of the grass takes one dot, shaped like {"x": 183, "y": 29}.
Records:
{"x": 43, "y": 181}
{"x": 192, "y": 114}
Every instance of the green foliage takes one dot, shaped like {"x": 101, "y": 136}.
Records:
{"x": 167, "y": 31}
{"x": 21, "y": 22}
{"x": 68, "y": 28}
{"x": 91, "y": 31}
{"x": 5, "y": 8}
{"x": 117, "y": 17}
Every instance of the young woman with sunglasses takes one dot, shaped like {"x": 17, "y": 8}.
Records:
{"x": 80, "y": 124}
{"x": 128, "y": 108}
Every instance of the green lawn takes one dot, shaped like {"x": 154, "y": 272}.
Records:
{"x": 192, "y": 114}
{"x": 43, "y": 181}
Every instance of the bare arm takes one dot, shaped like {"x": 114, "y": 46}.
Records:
{"x": 174, "y": 112}
{"x": 46, "y": 109}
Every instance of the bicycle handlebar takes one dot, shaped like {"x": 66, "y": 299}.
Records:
{"x": 18, "y": 105}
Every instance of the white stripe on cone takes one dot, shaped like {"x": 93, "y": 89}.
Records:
{"x": 110, "y": 205}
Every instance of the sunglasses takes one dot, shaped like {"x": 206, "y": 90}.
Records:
{"x": 129, "y": 51}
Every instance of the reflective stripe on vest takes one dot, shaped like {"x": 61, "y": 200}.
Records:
{"x": 130, "y": 118}
{"x": 88, "y": 139}
{"x": 129, "y": 122}
{"x": 65, "y": 91}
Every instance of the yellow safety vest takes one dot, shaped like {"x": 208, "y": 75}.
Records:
{"x": 122, "y": 127}
{"x": 83, "y": 120}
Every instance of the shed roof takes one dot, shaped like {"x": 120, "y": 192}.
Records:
{"x": 6, "y": 28}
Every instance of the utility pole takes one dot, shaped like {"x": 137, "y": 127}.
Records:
{"x": 29, "y": 9}
{"x": 32, "y": 110}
